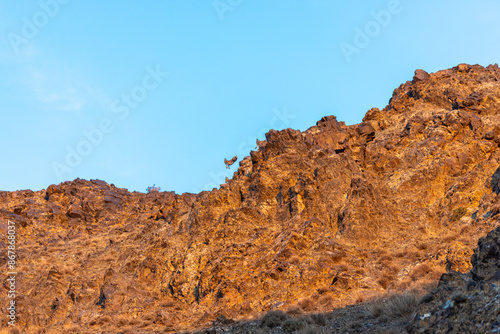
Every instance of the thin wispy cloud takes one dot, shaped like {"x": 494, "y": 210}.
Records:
{"x": 46, "y": 80}
{"x": 49, "y": 83}
{"x": 53, "y": 88}
{"x": 65, "y": 101}
{"x": 98, "y": 96}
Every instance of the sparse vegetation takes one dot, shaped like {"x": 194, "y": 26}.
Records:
{"x": 385, "y": 280}
{"x": 306, "y": 304}
{"x": 304, "y": 324}
{"x": 396, "y": 307}
{"x": 458, "y": 213}
{"x": 422, "y": 246}
{"x": 294, "y": 311}
{"x": 390, "y": 314}
{"x": 273, "y": 319}
{"x": 153, "y": 188}
{"x": 326, "y": 300}
{"x": 291, "y": 325}
{"x": 422, "y": 271}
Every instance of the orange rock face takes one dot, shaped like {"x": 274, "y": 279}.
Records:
{"x": 311, "y": 220}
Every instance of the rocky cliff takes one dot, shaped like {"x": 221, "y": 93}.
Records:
{"x": 310, "y": 221}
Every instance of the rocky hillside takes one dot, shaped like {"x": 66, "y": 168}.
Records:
{"x": 311, "y": 221}
{"x": 461, "y": 303}
{"x": 466, "y": 303}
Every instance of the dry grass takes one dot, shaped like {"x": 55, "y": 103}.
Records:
{"x": 292, "y": 325}
{"x": 386, "y": 258}
{"x": 396, "y": 307}
{"x": 385, "y": 280}
{"x": 306, "y": 304}
{"x": 313, "y": 323}
{"x": 360, "y": 271}
{"x": 273, "y": 319}
{"x": 422, "y": 271}
{"x": 449, "y": 239}
{"x": 422, "y": 246}
{"x": 390, "y": 314}
{"x": 294, "y": 311}
{"x": 313, "y": 330}
{"x": 326, "y": 300}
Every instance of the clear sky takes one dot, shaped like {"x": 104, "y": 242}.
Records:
{"x": 159, "y": 92}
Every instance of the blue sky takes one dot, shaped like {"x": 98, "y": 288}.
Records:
{"x": 138, "y": 93}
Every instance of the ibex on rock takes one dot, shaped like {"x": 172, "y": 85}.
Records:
{"x": 230, "y": 162}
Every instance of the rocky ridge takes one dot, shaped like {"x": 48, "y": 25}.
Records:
{"x": 310, "y": 221}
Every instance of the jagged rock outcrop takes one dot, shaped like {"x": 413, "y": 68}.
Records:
{"x": 311, "y": 220}
{"x": 466, "y": 303}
